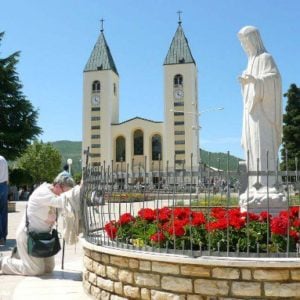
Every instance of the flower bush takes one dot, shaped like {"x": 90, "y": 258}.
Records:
{"x": 219, "y": 229}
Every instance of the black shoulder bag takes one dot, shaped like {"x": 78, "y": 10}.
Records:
{"x": 42, "y": 244}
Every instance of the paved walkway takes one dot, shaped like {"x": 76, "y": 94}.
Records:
{"x": 61, "y": 284}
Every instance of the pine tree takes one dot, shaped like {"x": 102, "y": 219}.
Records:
{"x": 18, "y": 119}
{"x": 291, "y": 129}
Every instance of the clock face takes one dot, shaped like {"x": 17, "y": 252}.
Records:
{"x": 96, "y": 100}
{"x": 178, "y": 94}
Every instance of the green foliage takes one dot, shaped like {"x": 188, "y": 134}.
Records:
{"x": 42, "y": 161}
{"x": 18, "y": 119}
{"x": 20, "y": 177}
{"x": 69, "y": 149}
{"x": 219, "y": 160}
{"x": 291, "y": 129}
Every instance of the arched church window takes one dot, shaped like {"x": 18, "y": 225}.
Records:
{"x": 156, "y": 147}
{"x": 96, "y": 87}
{"x": 120, "y": 149}
{"x": 138, "y": 142}
{"x": 178, "y": 80}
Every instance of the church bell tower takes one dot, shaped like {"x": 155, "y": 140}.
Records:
{"x": 181, "y": 130}
{"x": 100, "y": 103}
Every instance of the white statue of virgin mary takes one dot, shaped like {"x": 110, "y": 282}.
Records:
{"x": 262, "y": 114}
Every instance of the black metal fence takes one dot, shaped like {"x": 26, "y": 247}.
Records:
{"x": 190, "y": 211}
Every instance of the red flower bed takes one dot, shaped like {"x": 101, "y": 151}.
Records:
{"x": 182, "y": 227}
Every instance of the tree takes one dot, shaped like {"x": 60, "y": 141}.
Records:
{"x": 18, "y": 119}
{"x": 291, "y": 129}
{"x": 42, "y": 161}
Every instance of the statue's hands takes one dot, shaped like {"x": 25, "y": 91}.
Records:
{"x": 246, "y": 78}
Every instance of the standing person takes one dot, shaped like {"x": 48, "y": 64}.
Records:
{"x": 262, "y": 115}
{"x": 41, "y": 213}
{"x": 3, "y": 199}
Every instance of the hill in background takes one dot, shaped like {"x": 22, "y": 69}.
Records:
{"x": 69, "y": 149}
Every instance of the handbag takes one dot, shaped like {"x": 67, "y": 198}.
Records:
{"x": 42, "y": 244}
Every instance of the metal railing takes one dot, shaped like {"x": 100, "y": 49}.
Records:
{"x": 192, "y": 211}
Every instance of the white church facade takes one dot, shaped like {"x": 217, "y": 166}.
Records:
{"x": 138, "y": 143}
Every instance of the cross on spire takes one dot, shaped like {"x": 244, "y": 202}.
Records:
{"x": 102, "y": 20}
{"x": 179, "y": 16}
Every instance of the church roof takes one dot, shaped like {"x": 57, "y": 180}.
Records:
{"x": 179, "y": 51}
{"x": 137, "y": 118}
{"x": 101, "y": 58}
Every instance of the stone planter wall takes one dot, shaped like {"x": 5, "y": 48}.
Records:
{"x": 115, "y": 274}
{"x": 11, "y": 206}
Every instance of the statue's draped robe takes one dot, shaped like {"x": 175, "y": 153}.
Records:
{"x": 262, "y": 116}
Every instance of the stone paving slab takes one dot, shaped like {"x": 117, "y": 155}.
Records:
{"x": 61, "y": 284}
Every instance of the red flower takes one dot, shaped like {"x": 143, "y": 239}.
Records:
{"x": 219, "y": 224}
{"x": 147, "y": 214}
{"x": 237, "y": 222}
{"x": 296, "y": 223}
{"x": 279, "y": 225}
{"x": 294, "y": 234}
{"x": 181, "y": 213}
{"x": 218, "y": 212}
{"x": 176, "y": 228}
{"x": 251, "y": 216}
{"x": 198, "y": 218}
{"x": 264, "y": 216}
{"x": 158, "y": 237}
{"x": 111, "y": 229}
{"x": 164, "y": 214}
{"x": 126, "y": 218}
{"x": 295, "y": 211}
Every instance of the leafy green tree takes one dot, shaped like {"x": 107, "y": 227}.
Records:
{"x": 42, "y": 161}
{"x": 291, "y": 129}
{"x": 20, "y": 177}
{"x": 18, "y": 119}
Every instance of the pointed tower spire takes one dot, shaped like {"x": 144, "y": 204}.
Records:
{"x": 179, "y": 51}
{"x": 101, "y": 58}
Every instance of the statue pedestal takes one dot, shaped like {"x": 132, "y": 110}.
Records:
{"x": 256, "y": 201}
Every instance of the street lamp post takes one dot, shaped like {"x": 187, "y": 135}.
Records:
{"x": 69, "y": 162}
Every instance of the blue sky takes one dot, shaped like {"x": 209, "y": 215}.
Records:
{"x": 56, "y": 38}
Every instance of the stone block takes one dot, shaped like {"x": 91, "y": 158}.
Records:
{"x": 211, "y": 287}
{"x": 96, "y": 256}
{"x": 145, "y": 294}
{"x": 112, "y": 272}
{"x": 88, "y": 263}
{"x": 194, "y": 297}
{"x": 115, "y": 297}
{"x": 119, "y": 261}
{"x": 145, "y": 265}
{"x": 147, "y": 280}
{"x": 246, "y": 289}
{"x": 87, "y": 286}
{"x": 271, "y": 275}
{"x": 225, "y": 273}
{"x": 104, "y": 295}
{"x": 93, "y": 278}
{"x": 99, "y": 269}
{"x": 295, "y": 274}
{"x": 165, "y": 268}
{"x": 118, "y": 287}
{"x": 87, "y": 252}
{"x": 134, "y": 263}
{"x": 95, "y": 292}
{"x": 132, "y": 292}
{"x": 158, "y": 295}
{"x": 195, "y": 271}
{"x": 105, "y": 284}
{"x": 177, "y": 284}
{"x": 246, "y": 274}
{"x": 105, "y": 259}
{"x": 282, "y": 290}
{"x": 126, "y": 276}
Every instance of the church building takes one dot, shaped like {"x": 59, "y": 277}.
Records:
{"x": 139, "y": 143}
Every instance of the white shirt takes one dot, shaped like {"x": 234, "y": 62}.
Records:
{"x": 3, "y": 170}
{"x": 41, "y": 209}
